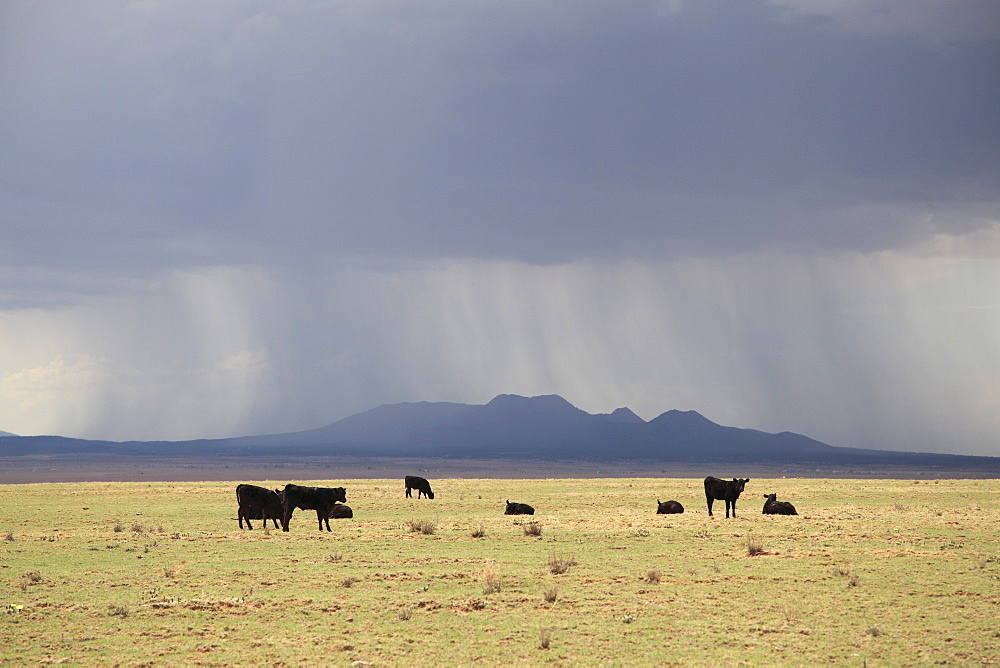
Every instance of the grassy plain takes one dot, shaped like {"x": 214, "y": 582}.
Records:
{"x": 876, "y": 572}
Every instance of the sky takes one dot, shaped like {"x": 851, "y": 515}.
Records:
{"x": 221, "y": 219}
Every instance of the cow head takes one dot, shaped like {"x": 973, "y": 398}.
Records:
{"x": 339, "y": 494}
{"x": 770, "y": 497}
{"x": 740, "y": 483}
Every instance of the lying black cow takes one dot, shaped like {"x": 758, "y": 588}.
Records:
{"x": 340, "y": 512}
{"x": 668, "y": 507}
{"x": 419, "y": 484}
{"x": 518, "y": 509}
{"x": 774, "y": 507}
{"x": 727, "y": 490}
{"x": 320, "y": 499}
{"x": 258, "y": 503}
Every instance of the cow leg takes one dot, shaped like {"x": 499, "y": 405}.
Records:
{"x": 408, "y": 494}
{"x": 709, "y": 499}
{"x": 242, "y": 516}
{"x": 286, "y": 519}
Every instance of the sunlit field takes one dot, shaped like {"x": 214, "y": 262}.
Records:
{"x": 870, "y": 572}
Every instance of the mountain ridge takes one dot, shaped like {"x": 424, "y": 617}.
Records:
{"x": 508, "y": 426}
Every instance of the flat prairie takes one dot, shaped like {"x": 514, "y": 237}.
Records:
{"x": 870, "y": 572}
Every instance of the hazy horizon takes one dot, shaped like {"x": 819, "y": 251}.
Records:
{"x": 220, "y": 219}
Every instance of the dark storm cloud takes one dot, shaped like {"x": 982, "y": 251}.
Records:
{"x": 153, "y": 134}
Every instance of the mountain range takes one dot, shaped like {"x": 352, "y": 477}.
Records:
{"x": 512, "y": 426}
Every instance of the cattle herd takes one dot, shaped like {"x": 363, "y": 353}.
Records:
{"x": 260, "y": 503}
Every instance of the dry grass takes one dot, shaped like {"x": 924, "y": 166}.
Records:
{"x": 559, "y": 564}
{"x": 754, "y": 546}
{"x": 653, "y": 576}
{"x": 205, "y": 592}
{"x": 425, "y": 527}
{"x": 532, "y": 529}
{"x": 491, "y": 580}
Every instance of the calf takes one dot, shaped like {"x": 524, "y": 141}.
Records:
{"x": 518, "y": 509}
{"x": 668, "y": 507}
{"x": 419, "y": 484}
{"x": 320, "y": 499}
{"x": 774, "y": 507}
{"x": 341, "y": 512}
{"x": 258, "y": 503}
{"x": 725, "y": 490}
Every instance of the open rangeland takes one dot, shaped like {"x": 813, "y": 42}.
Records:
{"x": 870, "y": 572}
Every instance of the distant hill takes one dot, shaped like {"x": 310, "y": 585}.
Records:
{"x": 511, "y": 426}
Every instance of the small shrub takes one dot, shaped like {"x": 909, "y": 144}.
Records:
{"x": 136, "y": 527}
{"x": 425, "y": 527}
{"x": 653, "y": 576}
{"x": 754, "y": 547}
{"x": 551, "y": 594}
{"x": 118, "y": 611}
{"x": 628, "y": 619}
{"x": 841, "y": 571}
{"x": 169, "y": 571}
{"x": 559, "y": 564}
{"x": 118, "y": 527}
{"x": 532, "y": 529}
{"x": 874, "y": 631}
{"x": 348, "y": 581}
{"x": 9, "y": 537}
{"x": 30, "y": 578}
{"x": 853, "y": 580}
{"x": 336, "y": 557}
{"x": 405, "y": 613}
{"x": 638, "y": 533}
{"x": 791, "y": 613}
{"x": 544, "y": 638}
{"x": 715, "y": 566}
{"x": 491, "y": 580}
{"x": 479, "y": 533}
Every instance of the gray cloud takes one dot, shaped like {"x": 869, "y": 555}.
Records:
{"x": 539, "y": 133}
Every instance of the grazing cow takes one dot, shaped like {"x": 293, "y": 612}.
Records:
{"x": 320, "y": 499}
{"x": 419, "y": 484}
{"x": 258, "y": 503}
{"x": 774, "y": 507}
{"x": 518, "y": 509}
{"x": 668, "y": 507}
{"x": 725, "y": 490}
{"x": 339, "y": 511}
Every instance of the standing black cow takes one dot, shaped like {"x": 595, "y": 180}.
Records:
{"x": 727, "y": 490}
{"x": 419, "y": 484}
{"x": 518, "y": 509}
{"x": 774, "y": 507}
{"x": 668, "y": 507}
{"x": 320, "y": 499}
{"x": 258, "y": 503}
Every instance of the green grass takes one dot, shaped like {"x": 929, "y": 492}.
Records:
{"x": 876, "y": 572}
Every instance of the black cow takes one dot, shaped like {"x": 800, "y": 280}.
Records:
{"x": 727, "y": 490}
{"x": 419, "y": 484}
{"x": 258, "y": 503}
{"x": 668, "y": 507}
{"x": 320, "y": 499}
{"x": 339, "y": 511}
{"x": 518, "y": 509}
{"x": 774, "y": 507}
